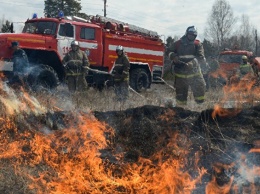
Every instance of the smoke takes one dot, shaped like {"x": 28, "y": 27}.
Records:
{"x": 248, "y": 169}
{"x": 243, "y": 172}
{"x": 17, "y": 102}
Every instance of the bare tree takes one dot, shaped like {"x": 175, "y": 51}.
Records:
{"x": 246, "y": 33}
{"x": 220, "y": 23}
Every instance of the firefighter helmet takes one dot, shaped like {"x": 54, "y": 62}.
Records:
{"x": 244, "y": 57}
{"x": 119, "y": 48}
{"x": 192, "y": 30}
{"x": 74, "y": 43}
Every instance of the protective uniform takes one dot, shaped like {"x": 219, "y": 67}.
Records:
{"x": 20, "y": 64}
{"x": 76, "y": 65}
{"x": 245, "y": 67}
{"x": 188, "y": 55}
{"x": 20, "y": 59}
{"x": 121, "y": 74}
{"x": 245, "y": 70}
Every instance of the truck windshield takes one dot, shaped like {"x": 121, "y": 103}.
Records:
{"x": 40, "y": 27}
{"x": 230, "y": 59}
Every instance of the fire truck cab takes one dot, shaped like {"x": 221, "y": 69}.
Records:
{"x": 230, "y": 60}
{"x": 47, "y": 40}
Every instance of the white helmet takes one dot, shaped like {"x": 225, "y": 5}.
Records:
{"x": 119, "y": 48}
{"x": 74, "y": 42}
{"x": 244, "y": 57}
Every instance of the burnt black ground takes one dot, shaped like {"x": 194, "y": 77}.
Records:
{"x": 148, "y": 123}
{"x": 146, "y": 130}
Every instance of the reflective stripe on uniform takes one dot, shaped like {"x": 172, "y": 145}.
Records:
{"x": 244, "y": 66}
{"x": 187, "y": 56}
{"x": 74, "y": 74}
{"x": 187, "y": 76}
{"x": 200, "y": 98}
{"x": 180, "y": 102}
{"x": 125, "y": 79}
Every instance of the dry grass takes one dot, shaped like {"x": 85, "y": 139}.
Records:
{"x": 105, "y": 100}
{"x": 162, "y": 95}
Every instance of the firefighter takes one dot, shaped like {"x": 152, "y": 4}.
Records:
{"x": 121, "y": 74}
{"x": 245, "y": 69}
{"x": 187, "y": 55}
{"x": 20, "y": 64}
{"x": 76, "y": 65}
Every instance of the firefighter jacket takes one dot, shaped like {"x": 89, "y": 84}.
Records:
{"x": 244, "y": 69}
{"x": 20, "y": 60}
{"x": 76, "y": 63}
{"x": 121, "y": 68}
{"x": 190, "y": 57}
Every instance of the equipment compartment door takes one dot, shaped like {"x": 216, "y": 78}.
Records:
{"x": 90, "y": 42}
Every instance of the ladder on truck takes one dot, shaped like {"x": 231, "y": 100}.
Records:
{"x": 115, "y": 25}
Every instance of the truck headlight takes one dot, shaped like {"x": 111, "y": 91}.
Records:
{"x": 157, "y": 68}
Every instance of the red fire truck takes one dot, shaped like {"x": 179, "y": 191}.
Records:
{"x": 230, "y": 60}
{"x": 47, "y": 40}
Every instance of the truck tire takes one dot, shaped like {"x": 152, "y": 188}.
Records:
{"x": 139, "y": 79}
{"x": 42, "y": 76}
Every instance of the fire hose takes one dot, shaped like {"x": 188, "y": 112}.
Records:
{"x": 166, "y": 83}
{"x": 90, "y": 69}
{"x": 130, "y": 88}
{"x": 103, "y": 72}
{"x": 98, "y": 71}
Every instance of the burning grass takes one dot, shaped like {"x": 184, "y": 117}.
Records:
{"x": 57, "y": 143}
{"x": 87, "y": 156}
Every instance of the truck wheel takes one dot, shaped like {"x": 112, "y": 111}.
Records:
{"x": 43, "y": 76}
{"x": 139, "y": 79}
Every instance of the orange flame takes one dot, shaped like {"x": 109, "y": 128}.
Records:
{"x": 237, "y": 96}
{"x": 213, "y": 187}
{"x": 223, "y": 112}
{"x": 70, "y": 161}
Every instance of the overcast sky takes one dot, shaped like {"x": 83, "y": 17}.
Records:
{"x": 166, "y": 17}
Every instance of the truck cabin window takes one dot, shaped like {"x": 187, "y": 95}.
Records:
{"x": 87, "y": 33}
{"x": 40, "y": 28}
{"x": 66, "y": 30}
{"x": 230, "y": 58}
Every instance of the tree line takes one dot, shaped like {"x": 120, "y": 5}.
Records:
{"x": 221, "y": 29}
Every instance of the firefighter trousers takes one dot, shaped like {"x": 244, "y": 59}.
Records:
{"x": 197, "y": 85}
{"x": 122, "y": 90}
{"x": 77, "y": 83}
